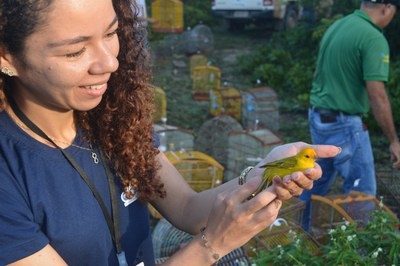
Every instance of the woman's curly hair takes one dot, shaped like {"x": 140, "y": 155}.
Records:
{"x": 122, "y": 123}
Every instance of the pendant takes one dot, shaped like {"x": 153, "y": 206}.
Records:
{"x": 95, "y": 157}
{"x": 127, "y": 201}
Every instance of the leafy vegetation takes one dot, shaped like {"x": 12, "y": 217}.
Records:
{"x": 376, "y": 244}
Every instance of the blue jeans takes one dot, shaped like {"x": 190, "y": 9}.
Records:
{"x": 355, "y": 164}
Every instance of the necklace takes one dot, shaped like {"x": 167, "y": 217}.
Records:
{"x": 23, "y": 126}
{"x": 94, "y": 154}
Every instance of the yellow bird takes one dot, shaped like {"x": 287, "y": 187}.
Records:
{"x": 300, "y": 162}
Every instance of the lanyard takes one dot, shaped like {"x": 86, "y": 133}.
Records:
{"x": 112, "y": 222}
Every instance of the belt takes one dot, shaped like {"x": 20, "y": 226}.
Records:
{"x": 328, "y": 115}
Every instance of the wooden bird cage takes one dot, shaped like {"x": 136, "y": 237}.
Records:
{"x": 160, "y": 103}
{"x": 260, "y": 109}
{"x": 205, "y": 79}
{"x": 226, "y": 100}
{"x": 197, "y": 60}
{"x": 327, "y": 212}
{"x": 174, "y": 138}
{"x": 212, "y": 137}
{"x": 248, "y": 148}
{"x": 200, "y": 170}
{"x": 389, "y": 188}
{"x": 167, "y": 240}
{"x": 168, "y": 16}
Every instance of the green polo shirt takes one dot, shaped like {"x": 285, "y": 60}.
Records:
{"x": 352, "y": 51}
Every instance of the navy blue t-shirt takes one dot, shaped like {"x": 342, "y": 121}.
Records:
{"x": 44, "y": 200}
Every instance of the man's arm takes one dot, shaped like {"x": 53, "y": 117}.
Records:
{"x": 382, "y": 111}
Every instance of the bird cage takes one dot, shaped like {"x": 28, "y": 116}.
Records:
{"x": 174, "y": 138}
{"x": 389, "y": 187}
{"x": 197, "y": 60}
{"x": 226, "y": 100}
{"x": 330, "y": 211}
{"x": 212, "y": 137}
{"x": 260, "y": 109}
{"x": 167, "y": 240}
{"x": 168, "y": 15}
{"x": 200, "y": 170}
{"x": 280, "y": 233}
{"x": 205, "y": 79}
{"x": 248, "y": 148}
{"x": 160, "y": 102}
{"x": 200, "y": 39}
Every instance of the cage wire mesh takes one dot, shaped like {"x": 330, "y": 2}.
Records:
{"x": 205, "y": 79}
{"x": 167, "y": 240}
{"x": 226, "y": 100}
{"x": 197, "y": 60}
{"x": 212, "y": 137}
{"x": 199, "y": 39}
{"x": 168, "y": 14}
{"x": 160, "y": 104}
{"x": 174, "y": 138}
{"x": 260, "y": 109}
{"x": 389, "y": 188}
{"x": 328, "y": 212}
{"x": 248, "y": 148}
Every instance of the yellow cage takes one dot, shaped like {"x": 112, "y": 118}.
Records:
{"x": 332, "y": 210}
{"x": 205, "y": 79}
{"x": 168, "y": 15}
{"x": 226, "y": 100}
{"x": 160, "y": 105}
{"x": 200, "y": 170}
{"x": 197, "y": 60}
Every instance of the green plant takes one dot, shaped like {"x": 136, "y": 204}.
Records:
{"x": 378, "y": 243}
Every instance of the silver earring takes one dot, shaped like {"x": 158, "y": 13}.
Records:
{"x": 7, "y": 71}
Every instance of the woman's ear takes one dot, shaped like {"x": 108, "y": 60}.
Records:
{"x": 6, "y": 64}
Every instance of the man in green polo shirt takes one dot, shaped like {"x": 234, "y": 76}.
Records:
{"x": 350, "y": 76}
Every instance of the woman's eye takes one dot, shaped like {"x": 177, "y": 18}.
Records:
{"x": 112, "y": 34}
{"x": 76, "y": 54}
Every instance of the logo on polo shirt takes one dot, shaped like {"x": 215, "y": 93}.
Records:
{"x": 385, "y": 58}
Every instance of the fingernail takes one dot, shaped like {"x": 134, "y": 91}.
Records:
{"x": 339, "y": 150}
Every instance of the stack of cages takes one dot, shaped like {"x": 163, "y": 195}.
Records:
{"x": 204, "y": 80}
{"x": 331, "y": 211}
{"x": 173, "y": 138}
{"x": 213, "y": 135}
{"x": 160, "y": 105}
{"x": 226, "y": 100}
{"x": 168, "y": 14}
{"x": 247, "y": 148}
{"x": 260, "y": 109}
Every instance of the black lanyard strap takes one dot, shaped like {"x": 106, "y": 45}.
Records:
{"x": 112, "y": 223}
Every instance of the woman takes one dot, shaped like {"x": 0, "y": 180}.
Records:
{"x": 78, "y": 159}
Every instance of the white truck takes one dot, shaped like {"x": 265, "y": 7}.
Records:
{"x": 284, "y": 14}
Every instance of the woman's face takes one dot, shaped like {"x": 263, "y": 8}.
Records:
{"x": 69, "y": 60}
